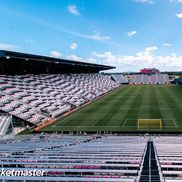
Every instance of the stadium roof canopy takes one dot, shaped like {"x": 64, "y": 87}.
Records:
{"x": 22, "y": 63}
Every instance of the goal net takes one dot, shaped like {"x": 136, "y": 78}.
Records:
{"x": 149, "y": 124}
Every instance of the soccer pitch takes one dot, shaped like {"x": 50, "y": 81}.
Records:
{"x": 120, "y": 111}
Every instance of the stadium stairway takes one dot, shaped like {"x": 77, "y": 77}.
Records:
{"x": 150, "y": 171}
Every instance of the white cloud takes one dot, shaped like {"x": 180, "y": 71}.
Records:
{"x": 150, "y": 49}
{"x": 176, "y": 1}
{"x": 73, "y": 46}
{"x": 56, "y": 54}
{"x": 146, "y": 58}
{"x": 73, "y": 10}
{"x": 92, "y": 60}
{"x": 74, "y": 58}
{"x": 179, "y": 15}
{"x": 98, "y": 36}
{"x": 167, "y": 44}
{"x": 145, "y": 1}
{"x": 131, "y": 33}
{"x": 8, "y": 46}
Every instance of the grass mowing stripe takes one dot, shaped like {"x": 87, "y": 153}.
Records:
{"x": 166, "y": 114}
{"x": 155, "y": 111}
{"x": 131, "y": 124}
{"x": 144, "y": 105}
{"x": 104, "y": 110}
{"x": 172, "y": 102}
{"x": 175, "y": 97}
{"x": 177, "y": 89}
{"x": 119, "y": 117}
{"x": 109, "y": 107}
{"x": 110, "y": 113}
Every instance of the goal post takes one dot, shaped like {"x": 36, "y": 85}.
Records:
{"x": 148, "y": 124}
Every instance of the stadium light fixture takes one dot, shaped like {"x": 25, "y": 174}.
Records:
{"x": 7, "y": 57}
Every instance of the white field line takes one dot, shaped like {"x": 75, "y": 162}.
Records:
{"x": 125, "y": 122}
{"x": 99, "y": 119}
{"x": 175, "y": 123}
{"x": 90, "y": 126}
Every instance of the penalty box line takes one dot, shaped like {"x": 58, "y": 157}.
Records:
{"x": 126, "y": 120}
{"x": 163, "y": 120}
{"x": 175, "y": 124}
{"x": 124, "y": 124}
{"x": 77, "y": 126}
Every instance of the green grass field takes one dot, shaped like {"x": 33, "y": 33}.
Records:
{"x": 120, "y": 110}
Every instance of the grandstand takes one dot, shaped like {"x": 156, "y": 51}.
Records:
{"x": 93, "y": 158}
{"x": 40, "y": 97}
{"x": 37, "y": 97}
{"x": 150, "y": 76}
{"x": 87, "y": 126}
{"x": 76, "y": 158}
{"x": 169, "y": 155}
{"x": 119, "y": 78}
{"x": 150, "y": 79}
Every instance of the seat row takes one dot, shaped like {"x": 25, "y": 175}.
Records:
{"x": 150, "y": 79}
{"x": 169, "y": 151}
{"x": 76, "y": 158}
{"x": 36, "y": 97}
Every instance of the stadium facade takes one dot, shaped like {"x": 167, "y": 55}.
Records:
{"x": 149, "y": 71}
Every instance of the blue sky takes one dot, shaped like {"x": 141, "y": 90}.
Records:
{"x": 128, "y": 34}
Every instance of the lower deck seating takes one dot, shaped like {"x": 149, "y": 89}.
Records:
{"x": 75, "y": 158}
{"x": 169, "y": 151}
{"x": 5, "y": 121}
{"x": 119, "y": 78}
{"x": 36, "y": 97}
{"x": 94, "y": 157}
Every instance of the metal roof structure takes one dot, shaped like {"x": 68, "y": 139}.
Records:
{"x": 23, "y": 63}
